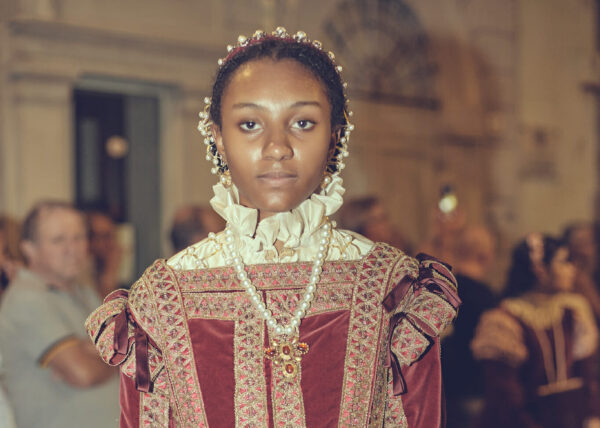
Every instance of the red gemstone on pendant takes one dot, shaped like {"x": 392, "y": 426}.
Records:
{"x": 290, "y": 368}
{"x": 286, "y": 350}
{"x": 270, "y": 352}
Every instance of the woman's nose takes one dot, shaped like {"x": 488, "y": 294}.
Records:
{"x": 277, "y": 146}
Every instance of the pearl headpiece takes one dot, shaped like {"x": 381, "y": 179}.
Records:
{"x": 335, "y": 164}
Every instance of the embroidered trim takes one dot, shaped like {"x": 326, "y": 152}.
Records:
{"x": 267, "y": 276}
{"x": 380, "y": 392}
{"x": 394, "y": 416}
{"x": 154, "y": 407}
{"x": 432, "y": 310}
{"x": 176, "y": 344}
{"x": 408, "y": 343}
{"x": 364, "y": 335}
{"x": 286, "y": 393}
{"x": 250, "y": 400}
{"x": 155, "y": 363}
{"x": 103, "y": 315}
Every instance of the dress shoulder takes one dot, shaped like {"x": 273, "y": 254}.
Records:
{"x": 499, "y": 336}
{"x": 125, "y": 327}
{"x": 423, "y": 303}
{"x": 424, "y": 288}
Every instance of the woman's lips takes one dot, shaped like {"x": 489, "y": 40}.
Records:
{"x": 277, "y": 177}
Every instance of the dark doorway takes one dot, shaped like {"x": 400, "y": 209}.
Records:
{"x": 117, "y": 164}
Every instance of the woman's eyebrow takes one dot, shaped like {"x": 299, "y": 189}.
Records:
{"x": 260, "y": 107}
{"x": 306, "y": 103}
{"x": 248, "y": 105}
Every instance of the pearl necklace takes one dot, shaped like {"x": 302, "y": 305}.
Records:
{"x": 285, "y": 349}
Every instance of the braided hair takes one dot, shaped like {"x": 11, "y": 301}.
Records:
{"x": 521, "y": 276}
{"x": 275, "y": 48}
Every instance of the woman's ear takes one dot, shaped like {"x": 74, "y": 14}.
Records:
{"x": 336, "y": 134}
{"x": 29, "y": 250}
{"x": 217, "y": 136}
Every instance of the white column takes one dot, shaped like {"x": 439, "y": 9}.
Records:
{"x": 39, "y": 158}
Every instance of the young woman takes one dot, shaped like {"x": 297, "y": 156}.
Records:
{"x": 539, "y": 346}
{"x": 281, "y": 319}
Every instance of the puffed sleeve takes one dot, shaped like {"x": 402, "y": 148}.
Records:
{"x": 423, "y": 303}
{"x": 122, "y": 341}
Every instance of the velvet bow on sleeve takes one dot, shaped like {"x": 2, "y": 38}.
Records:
{"x": 121, "y": 341}
{"x": 423, "y": 305}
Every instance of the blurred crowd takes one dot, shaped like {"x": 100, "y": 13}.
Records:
{"x": 524, "y": 357}
{"x": 56, "y": 266}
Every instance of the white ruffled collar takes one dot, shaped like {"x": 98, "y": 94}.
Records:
{"x": 293, "y": 228}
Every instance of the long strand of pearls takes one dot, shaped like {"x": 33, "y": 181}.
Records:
{"x": 255, "y": 297}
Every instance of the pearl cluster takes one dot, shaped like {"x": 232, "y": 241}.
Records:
{"x": 255, "y": 297}
{"x": 336, "y": 163}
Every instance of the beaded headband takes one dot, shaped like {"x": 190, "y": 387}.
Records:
{"x": 334, "y": 165}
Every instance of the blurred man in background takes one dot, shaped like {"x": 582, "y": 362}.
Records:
{"x": 53, "y": 376}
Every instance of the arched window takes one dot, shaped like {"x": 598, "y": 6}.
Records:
{"x": 385, "y": 52}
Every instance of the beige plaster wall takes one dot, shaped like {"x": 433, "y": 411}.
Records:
{"x": 556, "y": 56}
{"x": 507, "y": 70}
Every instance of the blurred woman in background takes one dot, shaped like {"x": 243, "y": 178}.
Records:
{"x": 539, "y": 346}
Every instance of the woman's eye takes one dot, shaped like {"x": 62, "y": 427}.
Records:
{"x": 304, "y": 124}
{"x": 248, "y": 126}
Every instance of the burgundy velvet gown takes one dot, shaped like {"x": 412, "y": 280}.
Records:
{"x": 191, "y": 344}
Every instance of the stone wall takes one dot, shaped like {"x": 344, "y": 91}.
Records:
{"x": 501, "y": 113}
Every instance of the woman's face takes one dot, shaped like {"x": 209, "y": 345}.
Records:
{"x": 562, "y": 271}
{"x": 275, "y": 135}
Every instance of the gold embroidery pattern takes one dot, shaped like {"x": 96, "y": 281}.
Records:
{"x": 154, "y": 361}
{"x": 387, "y": 410}
{"x": 154, "y": 407}
{"x": 286, "y": 395}
{"x": 327, "y": 299}
{"x": 143, "y": 306}
{"x": 288, "y": 405}
{"x": 433, "y": 310}
{"x": 380, "y": 388}
{"x": 220, "y": 306}
{"x": 263, "y": 276}
{"x": 250, "y": 400}
{"x": 365, "y": 335}
{"x": 406, "y": 266}
{"x": 105, "y": 344}
{"x": 178, "y": 352}
{"x": 250, "y": 386}
{"x": 408, "y": 344}
{"x": 394, "y": 411}
{"x": 103, "y": 315}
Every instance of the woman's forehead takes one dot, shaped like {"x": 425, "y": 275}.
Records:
{"x": 280, "y": 77}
